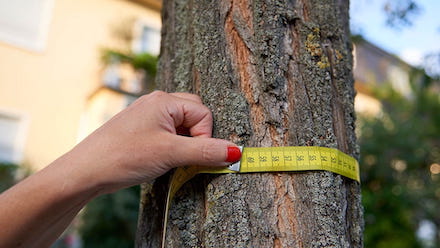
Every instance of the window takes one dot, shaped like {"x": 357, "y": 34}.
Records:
{"x": 122, "y": 75}
{"x": 146, "y": 39}
{"x": 12, "y": 136}
{"x": 25, "y": 23}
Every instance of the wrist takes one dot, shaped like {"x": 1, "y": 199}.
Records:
{"x": 93, "y": 165}
{"x": 75, "y": 176}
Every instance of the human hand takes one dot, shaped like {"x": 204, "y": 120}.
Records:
{"x": 142, "y": 142}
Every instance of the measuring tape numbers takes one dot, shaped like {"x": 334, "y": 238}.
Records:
{"x": 271, "y": 159}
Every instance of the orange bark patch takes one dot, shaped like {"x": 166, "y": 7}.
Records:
{"x": 285, "y": 212}
{"x": 240, "y": 56}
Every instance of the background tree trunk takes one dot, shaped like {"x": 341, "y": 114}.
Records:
{"x": 274, "y": 73}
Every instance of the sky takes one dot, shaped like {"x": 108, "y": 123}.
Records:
{"x": 411, "y": 43}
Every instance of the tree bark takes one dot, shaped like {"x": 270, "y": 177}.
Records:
{"x": 274, "y": 73}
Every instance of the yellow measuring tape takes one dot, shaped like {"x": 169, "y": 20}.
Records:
{"x": 271, "y": 159}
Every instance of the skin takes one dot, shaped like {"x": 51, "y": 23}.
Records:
{"x": 137, "y": 145}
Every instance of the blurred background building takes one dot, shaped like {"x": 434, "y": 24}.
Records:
{"x": 374, "y": 67}
{"x": 52, "y": 74}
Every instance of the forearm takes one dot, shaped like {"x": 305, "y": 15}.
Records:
{"x": 139, "y": 144}
{"x": 36, "y": 210}
{"x": 53, "y": 232}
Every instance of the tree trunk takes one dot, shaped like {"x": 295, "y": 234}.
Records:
{"x": 274, "y": 73}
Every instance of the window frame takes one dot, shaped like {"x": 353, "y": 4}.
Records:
{"x": 18, "y": 144}
{"x": 38, "y": 43}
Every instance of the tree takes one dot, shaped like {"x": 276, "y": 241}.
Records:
{"x": 7, "y": 175}
{"x": 274, "y": 73}
{"x": 400, "y": 13}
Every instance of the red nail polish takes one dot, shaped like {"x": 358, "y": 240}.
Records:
{"x": 234, "y": 154}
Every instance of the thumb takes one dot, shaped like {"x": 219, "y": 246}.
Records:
{"x": 205, "y": 151}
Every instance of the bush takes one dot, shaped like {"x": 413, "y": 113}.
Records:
{"x": 111, "y": 220}
{"x": 7, "y": 175}
{"x": 400, "y": 171}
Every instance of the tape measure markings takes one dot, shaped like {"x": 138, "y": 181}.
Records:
{"x": 272, "y": 159}
{"x": 278, "y": 159}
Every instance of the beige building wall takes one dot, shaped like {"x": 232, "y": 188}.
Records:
{"x": 50, "y": 88}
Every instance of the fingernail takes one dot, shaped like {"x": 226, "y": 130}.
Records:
{"x": 234, "y": 154}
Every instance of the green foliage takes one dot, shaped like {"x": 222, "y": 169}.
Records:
{"x": 399, "y": 150}
{"x": 110, "y": 220}
{"x": 144, "y": 61}
{"x": 7, "y": 175}
{"x": 401, "y": 13}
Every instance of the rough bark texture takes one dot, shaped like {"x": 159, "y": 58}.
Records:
{"x": 274, "y": 73}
